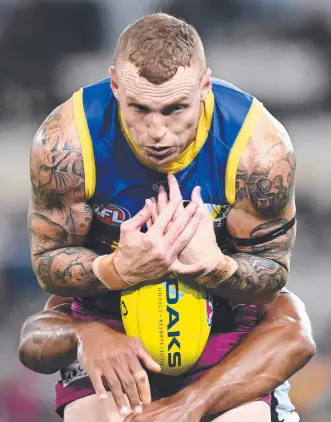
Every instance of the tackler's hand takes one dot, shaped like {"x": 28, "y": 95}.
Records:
{"x": 177, "y": 408}
{"x": 117, "y": 360}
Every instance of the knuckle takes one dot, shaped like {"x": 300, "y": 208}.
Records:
{"x": 184, "y": 239}
{"x": 137, "y": 342}
{"x": 141, "y": 377}
{"x": 199, "y": 215}
{"x": 114, "y": 386}
{"x": 149, "y": 242}
{"x": 96, "y": 362}
{"x": 191, "y": 208}
{"x": 158, "y": 253}
{"x": 127, "y": 383}
{"x": 124, "y": 229}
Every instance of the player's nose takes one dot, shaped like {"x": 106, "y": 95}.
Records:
{"x": 157, "y": 135}
{"x": 157, "y": 130}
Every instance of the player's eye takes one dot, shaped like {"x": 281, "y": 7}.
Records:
{"x": 175, "y": 109}
{"x": 141, "y": 108}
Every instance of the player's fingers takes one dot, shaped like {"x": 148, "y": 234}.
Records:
{"x": 188, "y": 232}
{"x": 97, "y": 383}
{"x": 155, "y": 212}
{"x": 162, "y": 199}
{"x": 149, "y": 205}
{"x": 180, "y": 209}
{"x": 174, "y": 191}
{"x": 179, "y": 224}
{"x": 149, "y": 224}
{"x": 147, "y": 360}
{"x": 116, "y": 390}
{"x": 129, "y": 386}
{"x": 165, "y": 217}
{"x": 144, "y": 389}
{"x": 141, "y": 379}
{"x": 129, "y": 418}
{"x": 184, "y": 269}
{"x": 138, "y": 220}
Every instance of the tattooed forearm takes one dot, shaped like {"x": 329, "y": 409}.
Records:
{"x": 256, "y": 274}
{"x": 257, "y": 280}
{"x": 263, "y": 269}
{"x": 62, "y": 268}
{"x": 68, "y": 272}
{"x": 270, "y": 187}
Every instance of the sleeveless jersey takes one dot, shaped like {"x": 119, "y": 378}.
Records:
{"x": 118, "y": 180}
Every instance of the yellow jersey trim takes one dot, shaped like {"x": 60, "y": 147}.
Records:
{"x": 86, "y": 143}
{"x": 238, "y": 147}
{"x": 216, "y": 211}
{"x": 189, "y": 154}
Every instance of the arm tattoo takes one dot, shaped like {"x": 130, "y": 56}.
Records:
{"x": 257, "y": 274}
{"x": 270, "y": 187}
{"x": 59, "y": 219}
{"x": 263, "y": 268}
{"x": 264, "y": 191}
{"x": 56, "y": 165}
{"x": 69, "y": 269}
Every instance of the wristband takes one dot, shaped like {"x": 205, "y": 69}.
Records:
{"x": 117, "y": 271}
{"x": 96, "y": 271}
{"x": 113, "y": 270}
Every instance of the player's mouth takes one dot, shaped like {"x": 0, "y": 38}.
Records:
{"x": 159, "y": 153}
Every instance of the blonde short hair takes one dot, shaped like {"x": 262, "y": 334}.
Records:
{"x": 158, "y": 45}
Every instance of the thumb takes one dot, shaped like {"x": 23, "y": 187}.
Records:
{"x": 141, "y": 218}
{"x": 196, "y": 195}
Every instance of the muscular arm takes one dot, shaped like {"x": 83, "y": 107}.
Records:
{"x": 48, "y": 339}
{"x": 279, "y": 346}
{"x": 264, "y": 202}
{"x": 59, "y": 218}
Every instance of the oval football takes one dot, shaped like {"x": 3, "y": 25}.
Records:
{"x": 172, "y": 318}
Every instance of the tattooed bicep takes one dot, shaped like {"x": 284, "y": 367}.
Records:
{"x": 268, "y": 181}
{"x": 56, "y": 162}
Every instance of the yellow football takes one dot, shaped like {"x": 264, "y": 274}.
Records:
{"x": 172, "y": 318}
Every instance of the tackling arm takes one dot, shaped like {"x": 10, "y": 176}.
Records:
{"x": 279, "y": 346}
{"x": 48, "y": 340}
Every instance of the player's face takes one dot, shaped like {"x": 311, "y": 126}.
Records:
{"x": 162, "y": 119}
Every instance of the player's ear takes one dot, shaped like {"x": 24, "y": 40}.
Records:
{"x": 114, "y": 83}
{"x": 205, "y": 84}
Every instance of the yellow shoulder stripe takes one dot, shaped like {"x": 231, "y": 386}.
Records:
{"x": 86, "y": 143}
{"x": 238, "y": 148}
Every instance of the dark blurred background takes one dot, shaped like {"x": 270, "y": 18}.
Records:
{"x": 278, "y": 50}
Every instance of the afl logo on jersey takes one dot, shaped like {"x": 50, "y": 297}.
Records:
{"x": 112, "y": 214}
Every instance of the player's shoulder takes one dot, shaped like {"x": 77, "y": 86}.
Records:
{"x": 269, "y": 142}
{"x": 56, "y": 158}
{"x": 58, "y": 130}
